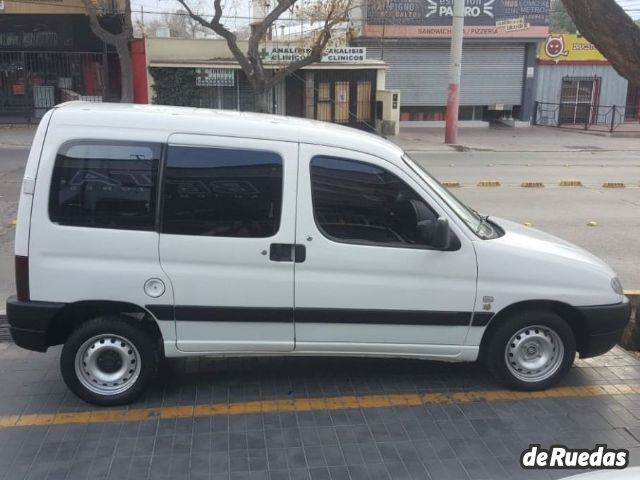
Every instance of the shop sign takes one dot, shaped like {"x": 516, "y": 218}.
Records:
{"x": 215, "y": 77}
{"x": 565, "y": 47}
{"x": 483, "y": 18}
{"x": 330, "y": 55}
{"x": 17, "y": 89}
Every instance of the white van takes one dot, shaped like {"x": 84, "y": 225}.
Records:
{"x": 146, "y": 231}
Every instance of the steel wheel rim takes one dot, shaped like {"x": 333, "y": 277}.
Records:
{"x": 534, "y": 354}
{"x": 108, "y": 364}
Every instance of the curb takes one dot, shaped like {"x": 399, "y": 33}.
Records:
{"x": 631, "y": 337}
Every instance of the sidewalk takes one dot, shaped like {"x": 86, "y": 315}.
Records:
{"x": 505, "y": 139}
{"x": 17, "y": 135}
{"x": 423, "y": 139}
{"x": 310, "y": 418}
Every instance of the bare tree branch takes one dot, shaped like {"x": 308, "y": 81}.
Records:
{"x": 262, "y": 80}
{"x": 221, "y": 30}
{"x": 316, "y": 50}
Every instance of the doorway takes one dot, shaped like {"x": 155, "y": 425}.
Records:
{"x": 579, "y": 100}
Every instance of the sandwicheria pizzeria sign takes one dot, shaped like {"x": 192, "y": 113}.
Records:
{"x": 330, "y": 55}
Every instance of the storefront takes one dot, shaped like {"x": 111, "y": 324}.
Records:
{"x": 47, "y": 59}
{"x": 342, "y": 88}
{"x": 577, "y": 86}
{"x": 498, "y": 64}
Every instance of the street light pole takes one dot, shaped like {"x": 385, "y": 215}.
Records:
{"x": 455, "y": 66}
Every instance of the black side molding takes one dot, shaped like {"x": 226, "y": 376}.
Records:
{"x": 161, "y": 312}
{"x": 194, "y": 313}
{"x": 381, "y": 317}
{"x": 481, "y": 319}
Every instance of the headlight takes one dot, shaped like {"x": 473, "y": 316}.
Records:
{"x": 617, "y": 286}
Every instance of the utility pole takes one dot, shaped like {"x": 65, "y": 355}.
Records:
{"x": 455, "y": 67}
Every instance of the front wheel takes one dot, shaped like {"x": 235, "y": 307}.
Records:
{"x": 108, "y": 361}
{"x": 531, "y": 350}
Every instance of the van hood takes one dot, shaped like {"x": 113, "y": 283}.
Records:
{"x": 527, "y": 238}
{"x": 527, "y": 264}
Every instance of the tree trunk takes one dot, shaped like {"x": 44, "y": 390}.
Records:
{"x": 605, "y": 24}
{"x": 126, "y": 74}
{"x": 262, "y": 100}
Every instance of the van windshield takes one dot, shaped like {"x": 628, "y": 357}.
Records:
{"x": 476, "y": 222}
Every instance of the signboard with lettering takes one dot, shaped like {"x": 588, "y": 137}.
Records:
{"x": 215, "y": 77}
{"x": 433, "y": 18}
{"x": 568, "y": 48}
{"x": 330, "y": 55}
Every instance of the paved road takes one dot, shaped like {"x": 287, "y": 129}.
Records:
{"x": 562, "y": 211}
{"x": 12, "y": 161}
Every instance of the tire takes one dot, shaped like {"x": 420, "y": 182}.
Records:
{"x": 540, "y": 346}
{"x": 109, "y": 360}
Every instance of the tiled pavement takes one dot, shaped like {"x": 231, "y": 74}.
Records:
{"x": 451, "y": 441}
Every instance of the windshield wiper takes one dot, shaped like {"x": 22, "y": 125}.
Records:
{"x": 484, "y": 220}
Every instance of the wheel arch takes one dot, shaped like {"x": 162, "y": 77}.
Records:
{"x": 570, "y": 314}
{"x": 75, "y": 314}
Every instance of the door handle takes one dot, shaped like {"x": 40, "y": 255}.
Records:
{"x": 287, "y": 252}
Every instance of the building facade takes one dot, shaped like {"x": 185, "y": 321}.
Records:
{"x": 345, "y": 87}
{"x": 576, "y": 85}
{"x": 499, "y": 55}
{"x": 49, "y": 55}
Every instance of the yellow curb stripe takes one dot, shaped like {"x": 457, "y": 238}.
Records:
{"x": 308, "y": 404}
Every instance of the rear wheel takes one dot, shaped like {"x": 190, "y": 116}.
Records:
{"x": 108, "y": 361}
{"x": 531, "y": 350}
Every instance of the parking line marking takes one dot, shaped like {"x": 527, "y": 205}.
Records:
{"x": 306, "y": 405}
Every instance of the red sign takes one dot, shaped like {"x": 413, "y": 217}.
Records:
{"x": 17, "y": 88}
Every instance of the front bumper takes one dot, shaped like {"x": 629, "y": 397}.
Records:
{"x": 603, "y": 327}
{"x": 30, "y": 321}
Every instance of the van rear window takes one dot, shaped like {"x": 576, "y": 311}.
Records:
{"x": 105, "y": 185}
{"x": 220, "y": 192}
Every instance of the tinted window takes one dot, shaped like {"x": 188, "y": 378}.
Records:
{"x": 222, "y": 192}
{"x": 105, "y": 185}
{"x": 362, "y": 203}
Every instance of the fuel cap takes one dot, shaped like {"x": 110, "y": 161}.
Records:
{"x": 154, "y": 287}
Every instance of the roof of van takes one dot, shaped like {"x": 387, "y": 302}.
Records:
{"x": 171, "y": 119}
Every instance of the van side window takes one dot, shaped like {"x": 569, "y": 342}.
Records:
{"x": 105, "y": 185}
{"x": 356, "y": 202}
{"x": 221, "y": 192}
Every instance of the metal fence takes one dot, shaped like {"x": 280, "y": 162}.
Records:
{"x": 585, "y": 116}
{"x": 33, "y": 82}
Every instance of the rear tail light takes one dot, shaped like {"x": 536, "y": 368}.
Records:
{"x": 22, "y": 278}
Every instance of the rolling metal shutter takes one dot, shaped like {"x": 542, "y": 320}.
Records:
{"x": 491, "y": 72}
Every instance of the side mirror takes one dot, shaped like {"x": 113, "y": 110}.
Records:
{"x": 442, "y": 234}
{"x": 437, "y": 234}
